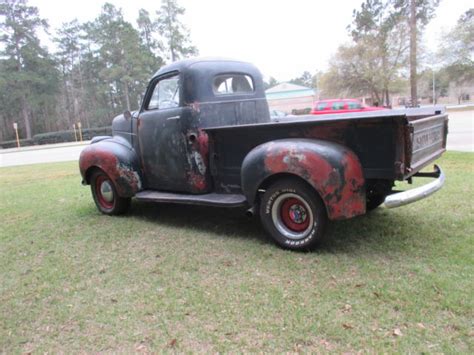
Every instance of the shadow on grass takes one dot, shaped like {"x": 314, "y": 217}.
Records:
{"x": 380, "y": 230}
{"x": 221, "y": 221}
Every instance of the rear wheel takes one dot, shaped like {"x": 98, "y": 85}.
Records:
{"x": 105, "y": 195}
{"x": 293, "y": 214}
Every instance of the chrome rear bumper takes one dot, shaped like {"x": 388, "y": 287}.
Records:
{"x": 418, "y": 193}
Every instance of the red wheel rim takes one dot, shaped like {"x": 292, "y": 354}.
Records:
{"x": 98, "y": 191}
{"x": 294, "y": 214}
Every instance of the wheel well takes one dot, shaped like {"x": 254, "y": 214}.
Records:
{"x": 265, "y": 184}
{"x": 273, "y": 178}
{"x": 89, "y": 173}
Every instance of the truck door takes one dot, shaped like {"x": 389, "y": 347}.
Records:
{"x": 161, "y": 136}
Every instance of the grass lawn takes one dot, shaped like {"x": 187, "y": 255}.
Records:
{"x": 182, "y": 278}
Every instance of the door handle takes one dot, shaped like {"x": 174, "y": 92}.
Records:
{"x": 172, "y": 118}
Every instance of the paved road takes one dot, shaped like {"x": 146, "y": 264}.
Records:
{"x": 42, "y": 154}
{"x": 461, "y": 131}
{"x": 461, "y": 138}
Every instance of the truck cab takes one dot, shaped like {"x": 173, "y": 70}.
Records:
{"x": 203, "y": 135}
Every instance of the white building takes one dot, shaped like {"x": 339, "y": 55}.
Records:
{"x": 287, "y": 97}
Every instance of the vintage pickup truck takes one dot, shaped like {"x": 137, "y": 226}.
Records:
{"x": 203, "y": 135}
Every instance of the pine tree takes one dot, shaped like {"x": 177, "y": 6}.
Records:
{"x": 29, "y": 73}
{"x": 152, "y": 47}
{"x": 175, "y": 34}
{"x": 125, "y": 65}
{"x": 68, "y": 57}
{"x": 148, "y": 29}
{"x": 418, "y": 14}
{"x": 457, "y": 53}
{"x": 381, "y": 42}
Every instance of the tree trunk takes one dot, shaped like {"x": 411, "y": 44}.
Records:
{"x": 173, "y": 55}
{"x": 3, "y": 131}
{"x": 112, "y": 103}
{"x": 84, "y": 114}
{"x": 414, "y": 98}
{"x": 127, "y": 96}
{"x": 75, "y": 105}
{"x": 171, "y": 34}
{"x": 26, "y": 117}
{"x": 68, "y": 102}
{"x": 376, "y": 102}
{"x": 24, "y": 107}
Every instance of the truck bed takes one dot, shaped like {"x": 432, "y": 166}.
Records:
{"x": 391, "y": 145}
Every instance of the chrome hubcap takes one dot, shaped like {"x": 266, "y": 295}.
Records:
{"x": 106, "y": 191}
{"x": 299, "y": 213}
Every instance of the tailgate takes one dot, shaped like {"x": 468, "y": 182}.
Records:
{"x": 427, "y": 141}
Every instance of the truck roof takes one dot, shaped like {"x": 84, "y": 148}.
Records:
{"x": 202, "y": 62}
{"x": 199, "y": 75}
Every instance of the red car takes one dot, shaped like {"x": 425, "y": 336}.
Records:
{"x": 341, "y": 106}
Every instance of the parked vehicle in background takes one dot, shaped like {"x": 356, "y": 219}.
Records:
{"x": 204, "y": 136}
{"x": 403, "y": 101}
{"x": 324, "y": 107}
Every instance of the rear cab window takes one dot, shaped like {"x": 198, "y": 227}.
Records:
{"x": 225, "y": 84}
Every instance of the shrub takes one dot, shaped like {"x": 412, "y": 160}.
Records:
{"x": 68, "y": 136}
{"x": 304, "y": 111}
{"x": 12, "y": 144}
{"x": 59, "y": 137}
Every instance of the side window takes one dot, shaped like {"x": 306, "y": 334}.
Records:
{"x": 321, "y": 106}
{"x": 338, "y": 105}
{"x": 232, "y": 84}
{"x": 352, "y": 105}
{"x": 165, "y": 94}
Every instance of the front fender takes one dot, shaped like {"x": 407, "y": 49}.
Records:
{"x": 333, "y": 170}
{"x": 117, "y": 159}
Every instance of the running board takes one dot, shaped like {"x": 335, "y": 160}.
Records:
{"x": 212, "y": 199}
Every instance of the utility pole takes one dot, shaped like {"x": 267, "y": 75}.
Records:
{"x": 414, "y": 98}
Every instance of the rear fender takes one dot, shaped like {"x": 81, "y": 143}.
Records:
{"x": 116, "y": 157}
{"x": 331, "y": 169}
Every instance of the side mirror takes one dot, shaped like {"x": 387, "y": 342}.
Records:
{"x": 127, "y": 115}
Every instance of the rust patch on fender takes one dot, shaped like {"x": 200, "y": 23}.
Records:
{"x": 126, "y": 180}
{"x": 341, "y": 188}
{"x": 349, "y": 201}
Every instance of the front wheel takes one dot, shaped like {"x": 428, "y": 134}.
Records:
{"x": 105, "y": 195}
{"x": 293, "y": 214}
